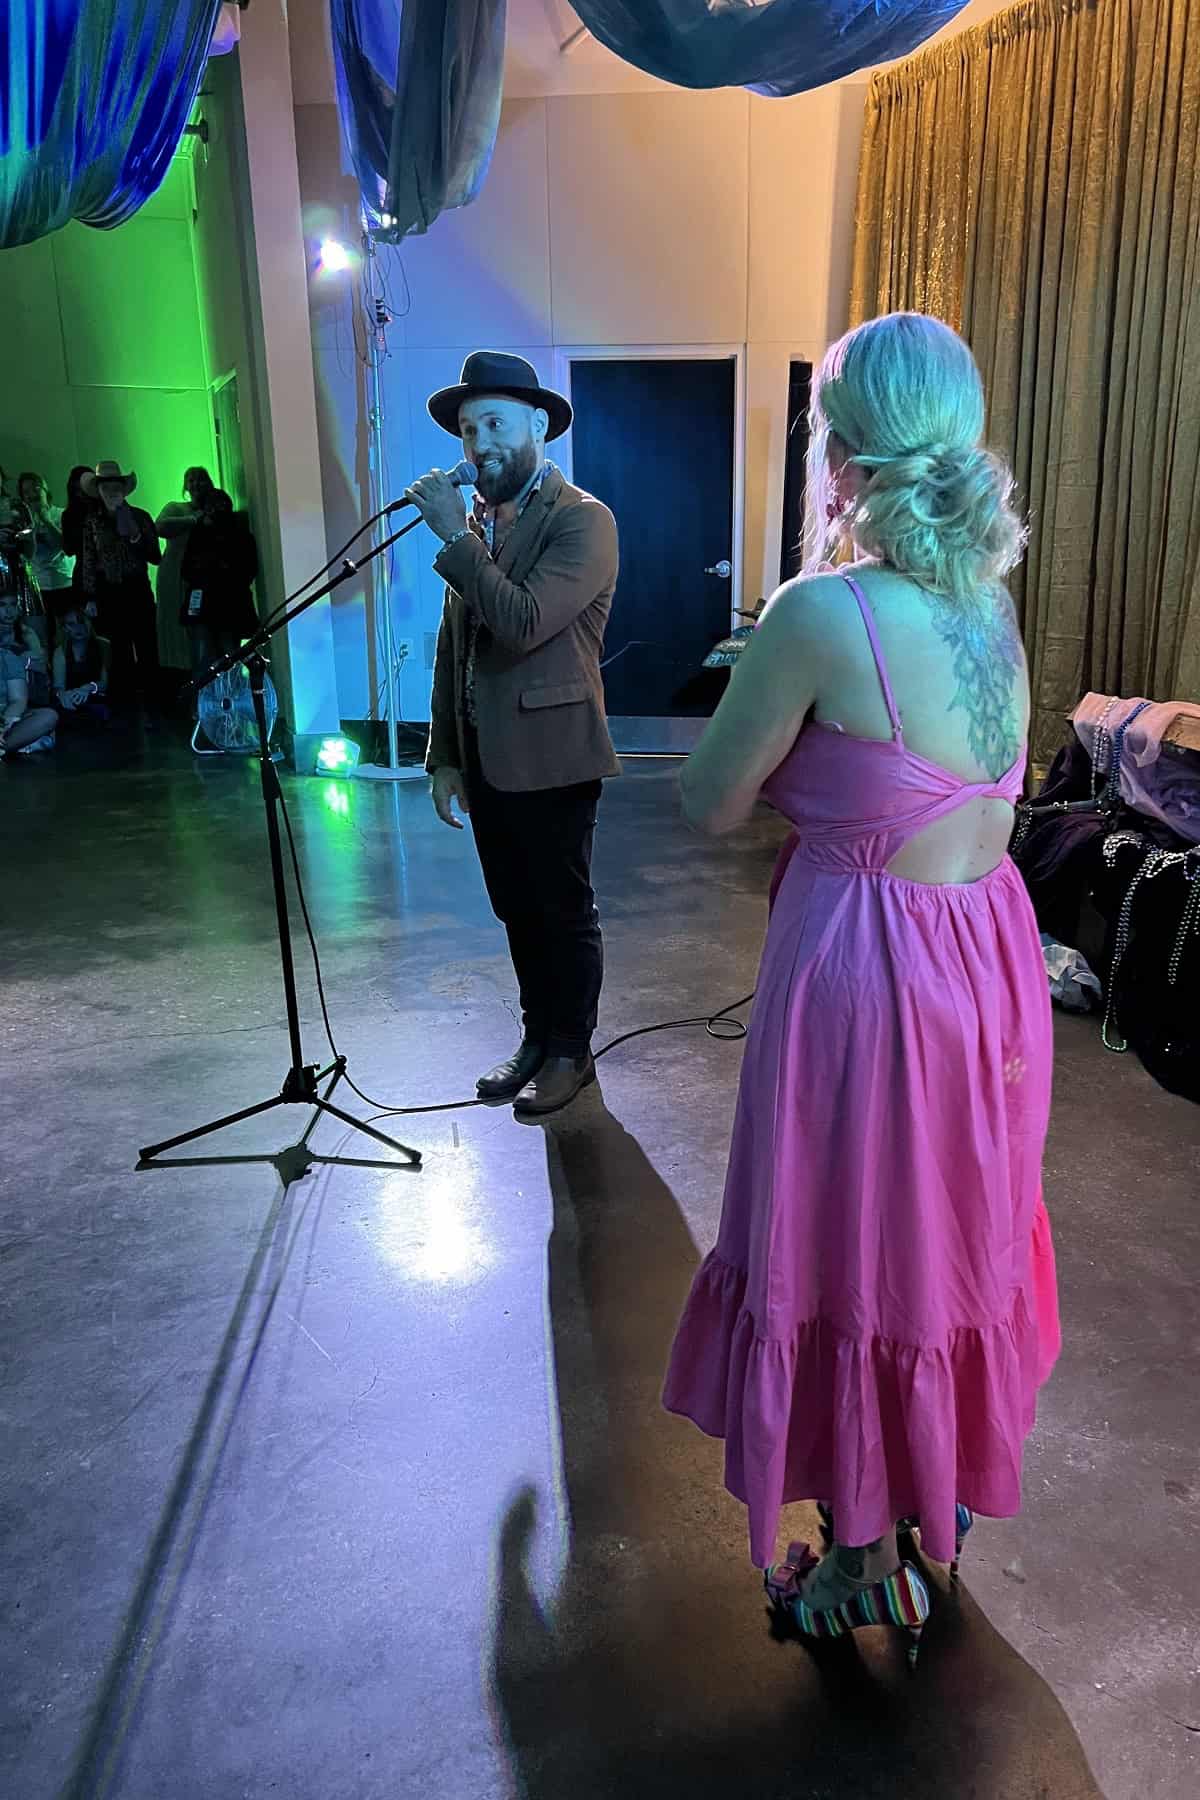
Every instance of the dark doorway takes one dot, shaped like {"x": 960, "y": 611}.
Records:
{"x": 654, "y": 439}
{"x": 791, "y": 551}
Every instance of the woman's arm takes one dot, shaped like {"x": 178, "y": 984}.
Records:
{"x": 17, "y": 702}
{"x": 58, "y": 674}
{"x": 175, "y": 520}
{"x": 772, "y": 690}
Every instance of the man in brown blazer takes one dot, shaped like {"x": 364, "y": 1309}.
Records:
{"x": 518, "y": 737}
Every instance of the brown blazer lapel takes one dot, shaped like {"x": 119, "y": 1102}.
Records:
{"x": 513, "y": 559}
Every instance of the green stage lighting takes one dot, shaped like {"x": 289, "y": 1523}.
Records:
{"x": 337, "y": 756}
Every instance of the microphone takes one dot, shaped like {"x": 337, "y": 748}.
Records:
{"x": 465, "y": 475}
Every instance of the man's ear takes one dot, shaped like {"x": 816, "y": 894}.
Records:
{"x": 541, "y": 423}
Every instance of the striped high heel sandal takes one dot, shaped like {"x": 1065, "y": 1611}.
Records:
{"x": 901, "y": 1599}
{"x": 964, "y": 1518}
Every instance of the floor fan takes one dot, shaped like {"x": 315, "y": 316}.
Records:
{"x": 225, "y": 715}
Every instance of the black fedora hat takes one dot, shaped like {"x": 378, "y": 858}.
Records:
{"x": 496, "y": 372}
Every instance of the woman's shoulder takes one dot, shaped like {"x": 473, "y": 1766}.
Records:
{"x": 808, "y": 605}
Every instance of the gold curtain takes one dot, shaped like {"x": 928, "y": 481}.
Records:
{"x": 1036, "y": 183}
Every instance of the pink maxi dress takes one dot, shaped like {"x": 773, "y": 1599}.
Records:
{"x": 880, "y": 1309}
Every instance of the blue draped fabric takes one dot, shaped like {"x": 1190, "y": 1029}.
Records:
{"x": 776, "y": 47}
{"x": 94, "y": 96}
{"x": 419, "y": 90}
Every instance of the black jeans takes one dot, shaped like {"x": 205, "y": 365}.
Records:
{"x": 126, "y": 617}
{"x": 536, "y": 854}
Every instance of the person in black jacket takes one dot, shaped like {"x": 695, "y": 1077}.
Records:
{"x": 219, "y": 567}
{"x": 119, "y": 546}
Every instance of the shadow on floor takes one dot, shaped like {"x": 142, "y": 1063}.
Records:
{"x": 98, "y": 1763}
{"x": 657, "y": 1673}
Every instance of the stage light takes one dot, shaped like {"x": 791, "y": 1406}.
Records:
{"x": 337, "y": 756}
{"x": 334, "y": 258}
{"x": 386, "y": 221}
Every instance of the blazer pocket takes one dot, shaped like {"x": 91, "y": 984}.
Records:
{"x": 567, "y": 693}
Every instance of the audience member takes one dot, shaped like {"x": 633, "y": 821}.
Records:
{"x": 81, "y": 663}
{"x": 219, "y": 567}
{"x": 16, "y": 547}
{"x": 119, "y": 544}
{"x": 174, "y": 525}
{"x": 49, "y": 562}
{"x": 22, "y": 726}
{"x": 15, "y": 520}
{"x": 75, "y": 511}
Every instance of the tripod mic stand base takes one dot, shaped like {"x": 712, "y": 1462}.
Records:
{"x": 300, "y": 1088}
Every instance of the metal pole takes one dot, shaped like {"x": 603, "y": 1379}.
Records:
{"x": 380, "y": 586}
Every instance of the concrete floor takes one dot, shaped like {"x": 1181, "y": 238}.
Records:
{"x": 359, "y": 1486}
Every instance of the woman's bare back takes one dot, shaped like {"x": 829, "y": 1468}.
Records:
{"x": 962, "y": 691}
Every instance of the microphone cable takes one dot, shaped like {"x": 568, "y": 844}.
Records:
{"x": 719, "y": 1025}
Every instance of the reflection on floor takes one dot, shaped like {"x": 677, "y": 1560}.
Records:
{"x": 358, "y": 1485}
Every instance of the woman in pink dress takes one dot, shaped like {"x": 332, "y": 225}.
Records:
{"x": 879, "y": 1311}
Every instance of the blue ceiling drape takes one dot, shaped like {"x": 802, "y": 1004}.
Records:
{"x": 420, "y": 81}
{"x": 94, "y": 96}
{"x": 776, "y": 47}
{"x": 419, "y": 90}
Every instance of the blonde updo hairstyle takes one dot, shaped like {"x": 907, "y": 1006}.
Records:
{"x": 901, "y": 398}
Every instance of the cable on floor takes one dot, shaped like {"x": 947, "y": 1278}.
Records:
{"x": 718, "y": 1025}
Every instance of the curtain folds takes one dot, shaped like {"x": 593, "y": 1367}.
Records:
{"x": 94, "y": 96}
{"x": 1036, "y": 182}
{"x": 776, "y": 47}
{"x": 419, "y": 91}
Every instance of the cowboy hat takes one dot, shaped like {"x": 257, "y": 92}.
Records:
{"x": 105, "y": 471}
{"x": 490, "y": 372}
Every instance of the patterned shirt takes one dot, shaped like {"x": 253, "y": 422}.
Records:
{"x": 485, "y": 518}
{"x": 109, "y": 558}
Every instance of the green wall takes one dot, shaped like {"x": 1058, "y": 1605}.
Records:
{"x": 102, "y": 349}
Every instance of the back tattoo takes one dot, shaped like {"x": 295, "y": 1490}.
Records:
{"x": 987, "y": 664}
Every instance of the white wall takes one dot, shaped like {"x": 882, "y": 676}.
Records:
{"x": 618, "y": 211}
{"x": 646, "y": 218}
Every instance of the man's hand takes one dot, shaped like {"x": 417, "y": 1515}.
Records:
{"x": 439, "y": 503}
{"x": 448, "y": 786}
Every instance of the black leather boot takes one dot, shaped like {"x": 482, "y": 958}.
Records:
{"x": 506, "y": 1080}
{"x": 555, "y": 1085}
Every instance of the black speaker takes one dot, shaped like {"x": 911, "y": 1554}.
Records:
{"x": 791, "y": 550}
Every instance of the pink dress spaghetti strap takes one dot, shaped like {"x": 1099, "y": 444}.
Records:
{"x": 880, "y": 1308}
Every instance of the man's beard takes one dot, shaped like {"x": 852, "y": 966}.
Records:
{"x": 501, "y": 484}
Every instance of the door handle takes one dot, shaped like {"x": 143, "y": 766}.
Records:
{"x": 723, "y": 570}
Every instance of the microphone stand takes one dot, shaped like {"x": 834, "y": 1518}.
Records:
{"x": 301, "y": 1083}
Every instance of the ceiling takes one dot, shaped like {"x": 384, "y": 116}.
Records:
{"x": 536, "y": 63}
